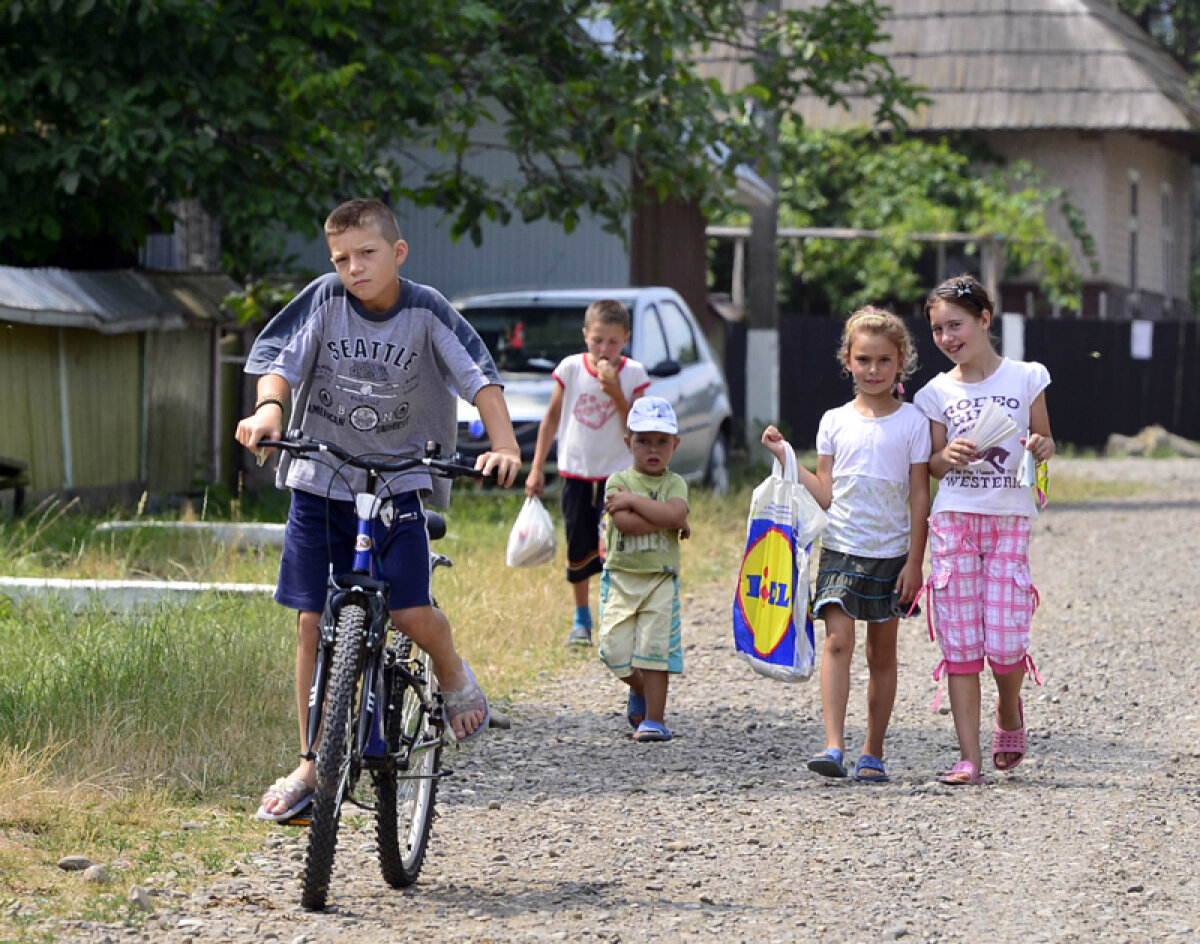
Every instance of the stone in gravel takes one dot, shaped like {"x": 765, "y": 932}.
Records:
{"x": 140, "y": 898}
{"x": 95, "y": 874}
{"x": 75, "y": 863}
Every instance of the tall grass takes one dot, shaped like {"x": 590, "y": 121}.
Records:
{"x": 197, "y": 697}
{"x": 187, "y": 697}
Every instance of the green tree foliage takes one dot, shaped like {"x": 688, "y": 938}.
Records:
{"x": 1174, "y": 23}
{"x": 268, "y": 113}
{"x": 902, "y": 186}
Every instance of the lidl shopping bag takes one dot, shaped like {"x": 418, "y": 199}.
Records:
{"x": 772, "y": 624}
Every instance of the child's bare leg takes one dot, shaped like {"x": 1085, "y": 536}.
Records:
{"x": 581, "y": 624}
{"x": 635, "y": 681}
{"x": 1008, "y": 711}
{"x": 881, "y": 688}
{"x": 655, "y": 683}
{"x": 637, "y": 686}
{"x": 964, "y": 704}
{"x": 307, "y": 634}
{"x": 429, "y": 629}
{"x": 835, "y": 673}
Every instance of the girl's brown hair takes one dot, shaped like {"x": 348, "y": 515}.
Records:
{"x": 880, "y": 321}
{"x": 963, "y": 291}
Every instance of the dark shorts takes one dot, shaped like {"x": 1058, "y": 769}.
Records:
{"x": 862, "y": 586}
{"x": 314, "y": 539}
{"x": 582, "y": 508}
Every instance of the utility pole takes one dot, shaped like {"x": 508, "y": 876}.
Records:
{"x": 762, "y": 335}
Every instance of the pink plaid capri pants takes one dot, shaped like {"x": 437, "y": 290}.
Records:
{"x": 981, "y": 592}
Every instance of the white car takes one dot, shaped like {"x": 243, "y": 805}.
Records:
{"x": 528, "y": 334}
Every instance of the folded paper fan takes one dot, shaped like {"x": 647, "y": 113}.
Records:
{"x": 992, "y": 427}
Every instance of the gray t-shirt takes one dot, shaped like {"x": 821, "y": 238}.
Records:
{"x": 379, "y": 383}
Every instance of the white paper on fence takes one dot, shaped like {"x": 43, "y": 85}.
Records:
{"x": 794, "y": 504}
{"x": 992, "y": 427}
{"x": 531, "y": 540}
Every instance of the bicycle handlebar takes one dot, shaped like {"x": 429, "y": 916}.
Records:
{"x": 295, "y": 441}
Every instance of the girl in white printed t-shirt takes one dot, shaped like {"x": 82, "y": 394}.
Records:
{"x": 980, "y": 592}
{"x": 873, "y": 480}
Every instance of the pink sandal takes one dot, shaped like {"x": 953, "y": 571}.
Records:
{"x": 1009, "y": 742}
{"x": 954, "y": 778}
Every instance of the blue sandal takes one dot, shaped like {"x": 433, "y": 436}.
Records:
{"x": 828, "y": 763}
{"x": 870, "y": 762}
{"x": 652, "y": 731}
{"x": 635, "y": 708}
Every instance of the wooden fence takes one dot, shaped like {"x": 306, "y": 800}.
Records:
{"x": 1098, "y": 387}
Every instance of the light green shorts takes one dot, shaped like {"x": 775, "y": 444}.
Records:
{"x": 639, "y": 622}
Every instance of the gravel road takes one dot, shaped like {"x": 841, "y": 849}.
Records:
{"x": 563, "y": 829}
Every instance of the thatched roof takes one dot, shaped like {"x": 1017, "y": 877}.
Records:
{"x": 1023, "y": 65}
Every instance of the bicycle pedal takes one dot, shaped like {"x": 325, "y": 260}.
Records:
{"x": 303, "y": 818}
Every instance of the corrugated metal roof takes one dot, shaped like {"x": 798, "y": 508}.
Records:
{"x": 110, "y": 302}
{"x": 1021, "y": 65}
{"x": 199, "y": 294}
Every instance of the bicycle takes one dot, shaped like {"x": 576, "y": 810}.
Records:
{"x": 373, "y": 706}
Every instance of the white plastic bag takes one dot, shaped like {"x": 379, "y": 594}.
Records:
{"x": 772, "y": 625}
{"x": 531, "y": 540}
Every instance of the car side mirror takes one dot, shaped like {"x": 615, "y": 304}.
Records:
{"x": 667, "y": 368}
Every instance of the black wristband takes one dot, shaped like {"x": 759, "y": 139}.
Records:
{"x": 263, "y": 401}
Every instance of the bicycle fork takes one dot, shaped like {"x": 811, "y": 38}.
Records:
{"x": 371, "y": 595}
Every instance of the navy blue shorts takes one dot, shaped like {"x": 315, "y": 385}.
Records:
{"x": 582, "y": 508}
{"x": 313, "y": 538}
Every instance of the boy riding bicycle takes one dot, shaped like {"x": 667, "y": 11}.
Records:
{"x": 372, "y": 362}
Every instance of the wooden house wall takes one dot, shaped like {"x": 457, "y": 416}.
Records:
{"x": 1156, "y": 166}
{"x": 179, "y": 367}
{"x": 103, "y": 386}
{"x": 1094, "y": 167}
{"x": 30, "y": 428}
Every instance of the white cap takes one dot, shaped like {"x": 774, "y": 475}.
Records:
{"x": 651, "y": 415}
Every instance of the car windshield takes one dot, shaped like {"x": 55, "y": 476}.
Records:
{"x": 527, "y": 337}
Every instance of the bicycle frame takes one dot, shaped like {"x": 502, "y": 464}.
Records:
{"x": 364, "y": 587}
{"x": 383, "y": 700}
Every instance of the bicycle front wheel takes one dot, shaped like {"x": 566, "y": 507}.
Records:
{"x": 405, "y": 798}
{"x": 333, "y": 755}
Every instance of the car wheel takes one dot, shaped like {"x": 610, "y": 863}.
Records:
{"x": 717, "y": 476}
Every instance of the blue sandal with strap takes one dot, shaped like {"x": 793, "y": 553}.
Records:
{"x": 827, "y": 763}
{"x": 870, "y": 762}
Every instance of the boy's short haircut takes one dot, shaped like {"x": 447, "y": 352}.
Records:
{"x": 358, "y": 214}
{"x": 607, "y": 311}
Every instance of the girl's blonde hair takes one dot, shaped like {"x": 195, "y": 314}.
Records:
{"x": 872, "y": 320}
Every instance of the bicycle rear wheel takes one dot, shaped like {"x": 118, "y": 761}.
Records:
{"x": 405, "y": 798}
{"x": 333, "y": 755}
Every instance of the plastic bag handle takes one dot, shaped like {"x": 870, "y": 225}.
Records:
{"x": 788, "y": 471}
